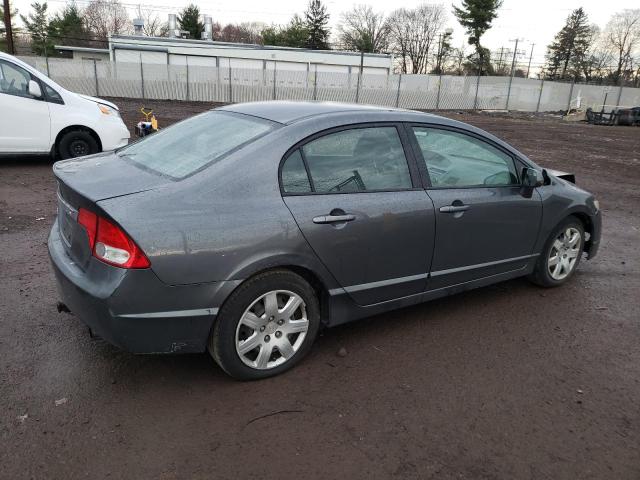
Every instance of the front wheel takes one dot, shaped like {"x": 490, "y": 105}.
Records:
{"x": 561, "y": 255}
{"x": 77, "y": 143}
{"x": 266, "y": 326}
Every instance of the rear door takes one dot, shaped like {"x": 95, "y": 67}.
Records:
{"x": 358, "y": 203}
{"x": 485, "y": 225}
{"x": 24, "y": 120}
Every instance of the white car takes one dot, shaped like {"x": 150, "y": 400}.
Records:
{"x": 39, "y": 116}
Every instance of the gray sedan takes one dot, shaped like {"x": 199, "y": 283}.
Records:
{"x": 244, "y": 230}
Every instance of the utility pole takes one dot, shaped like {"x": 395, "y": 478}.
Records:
{"x": 530, "y": 57}
{"x": 513, "y": 64}
{"x": 500, "y": 60}
{"x": 438, "y": 55}
{"x": 8, "y": 31}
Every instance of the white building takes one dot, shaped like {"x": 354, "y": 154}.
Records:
{"x": 178, "y": 51}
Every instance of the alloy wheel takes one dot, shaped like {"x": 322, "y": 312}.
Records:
{"x": 272, "y": 329}
{"x": 564, "y": 253}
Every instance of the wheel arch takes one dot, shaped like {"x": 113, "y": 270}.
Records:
{"x": 72, "y": 128}
{"x": 309, "y": 274}
{"x": 587, "y": 224}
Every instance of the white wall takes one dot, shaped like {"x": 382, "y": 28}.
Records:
{"x": 251, "y": 57}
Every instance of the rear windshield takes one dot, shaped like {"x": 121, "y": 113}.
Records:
{"x": 188, "y": 146}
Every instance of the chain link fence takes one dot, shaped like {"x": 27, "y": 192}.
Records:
{"x": 423, "y": 92}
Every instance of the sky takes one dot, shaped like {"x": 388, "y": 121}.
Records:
{"x": 532, "y": 22}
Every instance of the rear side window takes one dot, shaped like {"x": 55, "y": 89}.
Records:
{"x": 457, "y": 160}
{"x": 294, "y": 175}
{"x": 188, "y": 146}
{"x": 354, "y": 160}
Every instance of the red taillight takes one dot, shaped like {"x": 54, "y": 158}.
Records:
{"x": 110, "y": 244}
{"x": 89, "y": 221}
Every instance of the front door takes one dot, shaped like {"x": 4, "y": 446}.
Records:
{"x": 484, "y": 225}
{"x": 352, "y": 195}
{"x": 24, "y": 120}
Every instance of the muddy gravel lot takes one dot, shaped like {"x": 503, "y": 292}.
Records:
{"x": 505, "y": 382}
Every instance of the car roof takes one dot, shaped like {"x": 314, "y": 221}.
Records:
{"x": 287, "y": 112}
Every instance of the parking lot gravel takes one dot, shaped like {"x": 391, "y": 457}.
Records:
{"x": 505, "y": 382}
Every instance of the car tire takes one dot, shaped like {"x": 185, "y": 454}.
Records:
{"x": 258, "y": 321}
{"x": 77, "y": 143}
{"x": 561, "y": 254}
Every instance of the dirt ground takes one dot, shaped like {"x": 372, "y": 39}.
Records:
{"x": 505, "y": 382}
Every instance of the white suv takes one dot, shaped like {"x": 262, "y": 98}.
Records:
{"x": 39, "y": 116}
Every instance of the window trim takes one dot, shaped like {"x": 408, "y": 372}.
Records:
{"x": 422, "y": 164}
{"x": 414, "y": 174}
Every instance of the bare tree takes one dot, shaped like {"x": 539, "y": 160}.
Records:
{"x": 623, "y": 36}
{"x": 106, "y": 17}
{"x": 153, "y": 25}
{"x": 247, "y": 32}
{"x": 457, "y": 60}
{"x": 363, "y": 30}
{"x": 413, "y": 33}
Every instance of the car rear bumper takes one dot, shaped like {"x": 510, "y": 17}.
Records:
{"x": 133, "y": 309}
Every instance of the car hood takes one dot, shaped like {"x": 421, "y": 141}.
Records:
{"x": 105, "y": 175}
{"x": 98, "y": 100}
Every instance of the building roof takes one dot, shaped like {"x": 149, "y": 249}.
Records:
{"x": 82, "y": 49}
{"x": 132, "y": 39}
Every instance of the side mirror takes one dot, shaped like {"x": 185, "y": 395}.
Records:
{"x": 532, "y": 178}
{"x": 34, "y": 89}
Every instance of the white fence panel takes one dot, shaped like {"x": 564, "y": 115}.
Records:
{"x": 555, "y": 96}
{"x": 202, "y": 81}
{"x": 630, "y": 97}
{"x": 379, "y": 90}
{"x": 457, "y": 93}
{"x": 119, "y": 79}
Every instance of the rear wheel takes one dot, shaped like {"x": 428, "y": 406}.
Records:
{"x": 561, "y": 255}
{"x": 77, "y": 143}
{"x": 266, "y": 326}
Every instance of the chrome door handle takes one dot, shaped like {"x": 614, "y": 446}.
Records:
{"x": 333, "y": 218}
{"x": 454, "y": 208}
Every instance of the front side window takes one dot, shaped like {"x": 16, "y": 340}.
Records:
{"x": 356, "y": 160}
{"x": 14, "y": 80}
{"x": 457, "y": 160}
{"x": 188, "y": 146}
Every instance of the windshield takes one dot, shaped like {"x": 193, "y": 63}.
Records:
{"x": 188, "y": 146}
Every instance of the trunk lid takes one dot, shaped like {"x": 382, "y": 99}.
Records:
{"x": 103, "y": 176}
{"x": 84, "y": 182}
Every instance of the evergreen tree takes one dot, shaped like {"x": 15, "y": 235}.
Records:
{"x": 37, "y": 24}
{"x": 67, "y": 27}
{"x": 189, "y": 20}
{"x": 566, "y": 55}
{"x": 295, "y": 34}
{"x": 316, "y": 19}
{"x": 476, "y": 17}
